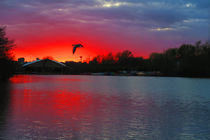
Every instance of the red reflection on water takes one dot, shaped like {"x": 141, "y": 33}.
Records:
{"x": 52, "y": 106}
{"x": 27, "y": 97}
{"x": 68, "y": 79}
{"x": 69, "y": 104}
{"x": 50, "y": 101}
{"x": 37, "y": 78}
{"x": 21, "y": 79}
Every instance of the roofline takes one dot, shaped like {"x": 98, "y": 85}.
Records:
{"x": 29, "y": 63}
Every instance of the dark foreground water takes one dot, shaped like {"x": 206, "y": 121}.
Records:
{"x": 38, "y": 107}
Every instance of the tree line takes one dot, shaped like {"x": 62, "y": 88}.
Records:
{"x": 186, "y": 60}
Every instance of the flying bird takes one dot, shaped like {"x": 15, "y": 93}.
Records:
{"x": 76, "y": 46}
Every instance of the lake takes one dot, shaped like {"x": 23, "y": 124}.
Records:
{"x": 104, "y": 107}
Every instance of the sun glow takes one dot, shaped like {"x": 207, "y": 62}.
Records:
{"x": 109, "y": 4}
{"x": 163, "y": 29}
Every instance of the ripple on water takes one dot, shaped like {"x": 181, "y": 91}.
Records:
{"x": 85, "y": 107}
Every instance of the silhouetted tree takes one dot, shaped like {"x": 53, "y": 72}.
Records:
{"x": 124, "y": 57}
{"x": 156, "y": 60}
{"x": 109, "y": 59}
{"x": 187, "y": 60}
{"x": 6, "y": 62}
{"x": 114, "y": 63}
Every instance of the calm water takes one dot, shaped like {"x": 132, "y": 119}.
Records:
{"x": 104, "y": 107}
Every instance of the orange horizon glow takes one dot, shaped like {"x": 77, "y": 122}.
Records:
{"x": 61, "y": 55}
{"x": 62, "y": 51}
{"x": 58, "y": 44}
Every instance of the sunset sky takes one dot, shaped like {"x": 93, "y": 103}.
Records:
{"x": 49, "y": 27}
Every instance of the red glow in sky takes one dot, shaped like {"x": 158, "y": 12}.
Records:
{"x": 59, "y": 46}
{"x": 49, "y": 28}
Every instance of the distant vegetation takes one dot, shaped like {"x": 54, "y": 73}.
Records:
{"x": 191, "y": 60}
{"x": 7, "y": 66}
{"x": 187, "y": 60}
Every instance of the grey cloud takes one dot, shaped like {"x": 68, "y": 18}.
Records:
{"x": 150, "y": 13}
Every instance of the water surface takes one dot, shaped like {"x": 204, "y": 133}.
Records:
{"x": 104, "y": 107}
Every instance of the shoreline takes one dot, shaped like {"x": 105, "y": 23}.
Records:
{"x": 100, "y": 74}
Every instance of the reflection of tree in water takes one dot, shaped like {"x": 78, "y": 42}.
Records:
{"x": 4, "y": 105}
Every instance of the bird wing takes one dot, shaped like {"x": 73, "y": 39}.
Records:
{"x": 76, "y": 46}
{"x": 74, "y": 49}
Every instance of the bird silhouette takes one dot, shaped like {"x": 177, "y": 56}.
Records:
{"x": 76, "y": 46}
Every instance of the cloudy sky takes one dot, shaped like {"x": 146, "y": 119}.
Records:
{"x": 49, "y": 27}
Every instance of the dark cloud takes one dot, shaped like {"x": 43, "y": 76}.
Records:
{"x": 163, "y": 17}
{"x": 201, "y": 3}
{"x": 139, "y": 15}
{"x": 162, "y": 12}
